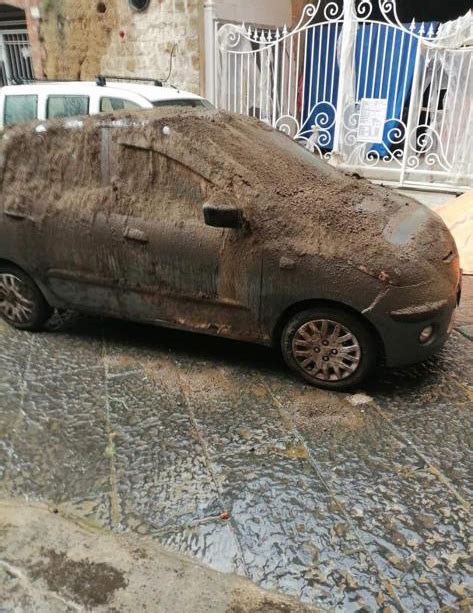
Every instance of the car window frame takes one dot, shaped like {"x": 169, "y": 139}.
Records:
{"x": 7, "y": 97}
{"x": 50, "y": 96}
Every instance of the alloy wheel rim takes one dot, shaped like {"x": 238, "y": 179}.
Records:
{"x": 326, "y": 350}
{"x": 15, "y": 299}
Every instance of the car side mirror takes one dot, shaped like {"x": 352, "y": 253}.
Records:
{"x": 223, "y": 216}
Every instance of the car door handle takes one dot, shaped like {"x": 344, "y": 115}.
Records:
{"x": 133, "y": 234}
{"x": 15, "y": 214}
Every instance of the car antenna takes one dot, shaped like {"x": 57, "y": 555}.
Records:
{"x": 170, "y": 65}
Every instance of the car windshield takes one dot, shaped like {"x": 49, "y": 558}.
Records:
{"x": 263, "y": 152}
{"x": 187, "y": 102}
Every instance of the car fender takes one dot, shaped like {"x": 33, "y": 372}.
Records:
{"x": 291, "y": 280}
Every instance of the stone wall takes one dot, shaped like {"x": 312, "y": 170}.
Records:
{"x": 82, "y": 38}
{"x": 75, "y": 34}
{"x": 142, "y": 43}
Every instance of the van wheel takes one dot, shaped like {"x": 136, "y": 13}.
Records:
{"x": 22, "y": 305}
{"x": 329, "y": 347}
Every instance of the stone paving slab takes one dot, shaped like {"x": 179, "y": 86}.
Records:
{"x": 58, "y": 352}
{"x": 159, "y": 463}
{"x": 346, "y": 502}
{"x": 59, "y": 441}
{"x": 408, "y": 520}
{"x": 212, "y": 542}
{"x": 444, "y": 435}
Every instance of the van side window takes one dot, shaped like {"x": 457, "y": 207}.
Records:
{"x": 67, "y": 106}
{"x": 107, "y": 105}
{"x": 20, "y": 108}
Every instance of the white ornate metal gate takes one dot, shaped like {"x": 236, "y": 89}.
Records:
{"x": 392, "y": 101}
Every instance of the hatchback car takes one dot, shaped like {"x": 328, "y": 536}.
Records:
{"x": 217, "y": 223}
{"x": 50, "y": 100}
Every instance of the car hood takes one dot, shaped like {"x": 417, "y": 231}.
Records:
{"x": 367, "y": 227}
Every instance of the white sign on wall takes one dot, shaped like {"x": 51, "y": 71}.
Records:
{"x": 373, "y": 113}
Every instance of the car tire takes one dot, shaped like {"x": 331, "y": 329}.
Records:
{"x": 329, "y": 347}
{"x": 22, "y": 305}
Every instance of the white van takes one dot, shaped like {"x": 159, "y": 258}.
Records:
{"x": 48, "y": 99}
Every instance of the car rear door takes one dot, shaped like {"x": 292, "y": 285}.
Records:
{"x": 74, "y": 234}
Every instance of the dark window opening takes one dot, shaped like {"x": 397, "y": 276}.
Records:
{"x": 139, "y": 5}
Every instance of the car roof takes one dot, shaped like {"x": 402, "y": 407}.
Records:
{"x": 150, "y": 92}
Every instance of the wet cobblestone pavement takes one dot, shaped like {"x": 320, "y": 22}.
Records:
{"x": 349, "y": 502}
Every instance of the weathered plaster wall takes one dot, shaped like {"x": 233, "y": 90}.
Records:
{"x": 82, "y": 38}
{"x": 298, "y": 6}
{"x": 75, "y": 34}
{"x": 143, "y": 41}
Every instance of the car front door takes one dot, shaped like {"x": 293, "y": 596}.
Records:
{"x": 174, "y": 268}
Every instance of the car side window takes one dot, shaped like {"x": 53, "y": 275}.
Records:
{"x": 107, "y": 105}
{"x": 168, "y": 190}
{"x": 67, "y": 106}
{"x": 20, "y": 108}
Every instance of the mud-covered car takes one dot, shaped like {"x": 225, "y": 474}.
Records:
{"x": 217, "y": 223}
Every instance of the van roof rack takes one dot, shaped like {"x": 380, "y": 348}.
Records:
{"x": 101, "y": 80}
{"x": 24, "y": 81}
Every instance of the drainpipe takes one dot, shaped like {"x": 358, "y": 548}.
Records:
{"x": 209, "y": 36}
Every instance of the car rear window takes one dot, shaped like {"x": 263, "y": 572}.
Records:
{"x": 107, "y": 105}
{"x": 189, "y": 102}
{"x": 67, "y": 106}
{"x": 20, "y": 108}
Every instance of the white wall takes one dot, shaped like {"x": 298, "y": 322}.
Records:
{"x": 261, "y": 12}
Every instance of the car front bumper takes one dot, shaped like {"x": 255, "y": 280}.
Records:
{"x": 400, "y": 326}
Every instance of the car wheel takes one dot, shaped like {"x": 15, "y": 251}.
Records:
{"x": 22, "y": 305}
{"x": 329, "y": 347}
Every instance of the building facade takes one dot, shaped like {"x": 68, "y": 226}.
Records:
{"x": 163, "y": 39}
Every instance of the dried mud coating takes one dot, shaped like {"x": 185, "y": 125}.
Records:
{"x": 290, "y": 198}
